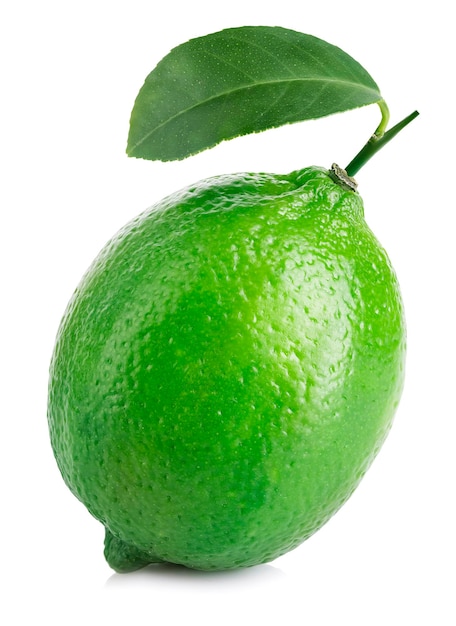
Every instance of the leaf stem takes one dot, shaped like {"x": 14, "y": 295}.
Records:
{"x": 381, "y": 128}
{"x": 379, "y": 139}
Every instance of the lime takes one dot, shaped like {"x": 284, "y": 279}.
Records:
{"x": 227, "y": 370}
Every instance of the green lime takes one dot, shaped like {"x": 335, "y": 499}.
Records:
{"x": 227, "y": 370}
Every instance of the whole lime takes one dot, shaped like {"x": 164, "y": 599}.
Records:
{"x": 227, "y": 370}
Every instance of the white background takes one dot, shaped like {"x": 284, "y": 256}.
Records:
{"x": 70, "y": 73}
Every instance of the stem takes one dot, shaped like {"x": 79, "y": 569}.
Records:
{"x": 379, "y": 139}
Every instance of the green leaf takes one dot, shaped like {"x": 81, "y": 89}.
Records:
{"x": 239, "y": 81}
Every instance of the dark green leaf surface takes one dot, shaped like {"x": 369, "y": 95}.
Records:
{"x": 240, "y": 81}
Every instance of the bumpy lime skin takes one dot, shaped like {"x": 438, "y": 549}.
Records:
{"x": 227, "y": 370}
